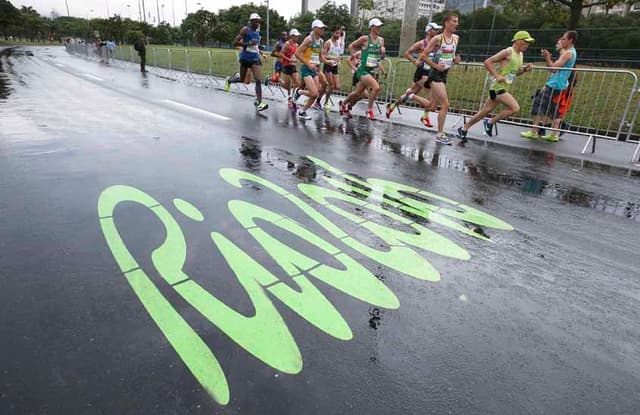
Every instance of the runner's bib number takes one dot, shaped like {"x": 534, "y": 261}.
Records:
{"x": 253, "y": 49}
{"x": 509, "y": 78}
{"x": 372, "y": 61}
{"x": 315, "y": 59}
{"x": 446, "y": 59}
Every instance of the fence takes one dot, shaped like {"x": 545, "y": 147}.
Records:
{"x": 605, "y": 105}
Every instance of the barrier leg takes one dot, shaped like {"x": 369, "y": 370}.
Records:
{"x": 636, "y": 155}
{"x": 586, "y": 145}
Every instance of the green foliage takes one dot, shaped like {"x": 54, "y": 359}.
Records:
{"x": 199, "y": 26}
{"x": 334, "y": 16}
{"x": 302, "y": 22}
{"x": 133, "y": 35}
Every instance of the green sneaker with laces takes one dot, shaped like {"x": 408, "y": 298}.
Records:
{"x": 551, "y": 138}
{"x": 529, "y": 134}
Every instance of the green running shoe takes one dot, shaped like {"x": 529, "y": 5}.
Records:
{"x": 551, "y": 138}
{"x": 530, "y": 135}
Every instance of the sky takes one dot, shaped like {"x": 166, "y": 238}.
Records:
{"x": 98, "y": 8}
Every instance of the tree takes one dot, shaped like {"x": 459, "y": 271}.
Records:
{"x": 9, "y": 17}
{"x": 302, "y": 22}
{"x": 199, "y": 26}
{"x": 364, "y": 5}
{"x": 334, "y": 15}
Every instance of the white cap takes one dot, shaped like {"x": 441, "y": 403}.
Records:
{"x": 255, "y": 16}
{"x": 317, "y": 23}
{"x": 432, "y": 26}
{"x": 294, "y": 32}
{"x": 375, "y": 22}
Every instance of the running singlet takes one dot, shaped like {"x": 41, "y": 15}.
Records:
{"x": 335, "y": 50}
{"x": 288, "y": 54}
{"x": 446, "y": 52}
{"x": 370, "y": 55}
{"x": 312, "y": 53}
{"x": 251, "y": 52}
{"x": 509, "y": 71}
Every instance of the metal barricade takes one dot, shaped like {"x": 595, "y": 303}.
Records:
{"x": 601, "y": 105}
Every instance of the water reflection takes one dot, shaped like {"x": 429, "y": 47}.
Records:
{"x": 5, "y": 84}
{"x": 524, "y": 182}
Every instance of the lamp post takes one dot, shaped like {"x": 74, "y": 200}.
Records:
{"x": 66, "y": 3}
{"x": 129, "y": 7}
{"x": 158, "y": 11}
{"x": 162, "y": 11}
{"x": 173, "y": 13}
{"x": 267, "y": 3}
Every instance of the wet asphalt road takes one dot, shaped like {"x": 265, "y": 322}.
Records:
{"x": 540, "y": 319}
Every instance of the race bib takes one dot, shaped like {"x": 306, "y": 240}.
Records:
{"x": 509, "y": 78}
{"x": 372, "y": 61}
{"x": 253, "y": 49}
{"x": 315, "y": 59}
{"x": 446, "y": 59}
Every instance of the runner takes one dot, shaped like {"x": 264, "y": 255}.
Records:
{"x": 372, "y": 47}
{"x": 311, "y": 55}
{"x": 333, "y": 50}
{"x": 249, "y": 39}
{"x": 421, "y": 75}
{"x": 289, "y": 65}
{"x": 275, "y": 78}
{"x": 444, "y": 47}
{"x": 543, "y": 103}
{"x": 504, "y": 66}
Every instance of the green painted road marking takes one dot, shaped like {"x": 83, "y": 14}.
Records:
{"x": 265, "y": 335}
{"x": 185, "y": 341}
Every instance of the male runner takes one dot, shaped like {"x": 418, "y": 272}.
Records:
{"x": 311, "y": 55}
{"x": 333, "y": 50}
{"x": 277, "y": 69}
{"x": 372, "y": 47}
{"x": 422, "y": 73}
{"x": 504, "y": 66}
{"x": 289, "y": 66}
{"x": 249, "y": 39}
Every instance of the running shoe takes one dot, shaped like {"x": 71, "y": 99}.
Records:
{"x": 529, "y": 134}
{"x": 256, "y": 103}
{"x": 227, "y": 84}
{"x": 370, "y": 114}
{"x": 442, "y": 138}
{"x": 551, "y": 138}
{"x": 262, "y": 106}
{"x": 303, "y": 115}
{"x": 425, "y": 120}
{"x": 488, "y": 128}
{"x": 296, "y": 95}
{"x": 390, "y": 108}
{"x": 290, "y": 102}
{"x": 317, "y": 106}
{"x": 462, "y": 134}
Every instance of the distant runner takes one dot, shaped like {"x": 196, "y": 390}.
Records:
{"x": 249, "y": 39}
{"x": 310, "y": 54}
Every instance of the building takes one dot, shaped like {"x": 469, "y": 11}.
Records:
{"x": 621, "y": 9}
{"x": 394, "y": 9}
{"x": 467, "y": 6}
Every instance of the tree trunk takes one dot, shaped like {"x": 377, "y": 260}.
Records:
{"x": 576, "y": 12}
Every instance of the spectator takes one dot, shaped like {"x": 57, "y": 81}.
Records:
{"x": 544, "y": 106}
{"x": 140, "y": 47}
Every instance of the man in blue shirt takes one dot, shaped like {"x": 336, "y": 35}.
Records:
{"x": 543, "y": 102}
{"x": 249, "y": 40}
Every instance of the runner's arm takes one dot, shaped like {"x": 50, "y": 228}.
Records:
{"x": 434, "y": 43}
{"x": 409, "y": 53}
{"x": 357, "y": 44}
{"x": 277, "y": 51}
{"x": 491, "y": 62}
{"x": 239, "y": 40}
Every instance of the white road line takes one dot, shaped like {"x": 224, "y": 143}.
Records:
{"x": 196, "y": 110}
{"x": 88, "y": 75}
{"x": 59, "y": 64}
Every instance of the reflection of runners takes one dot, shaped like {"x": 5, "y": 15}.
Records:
{"x": 317, "y": 106}
{"x": 262, "y": 106}
{"x": 390, "y": 108}
{"x": 303, "y": 115}
{"x": 529, "y": 134}
{"x": 296, "y": 95}
{"x": 227, "y": 84}
{"x": 425, "y": 120}
{"x": 551, "y": 138}
{"x": 488, "y": 128}
{"x": 344, "y": 110}
{"x": 370, "y": 114}
{"x": 443, "y": 139}
{"x": 327, "y": 107}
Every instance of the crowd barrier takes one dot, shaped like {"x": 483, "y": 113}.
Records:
{"x": 606, "y": 102}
